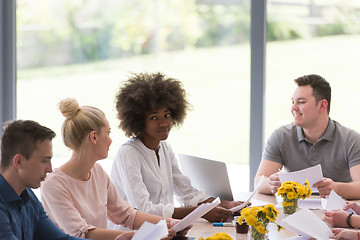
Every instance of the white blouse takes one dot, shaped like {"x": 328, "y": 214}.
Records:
{"x": 140, "y": 180}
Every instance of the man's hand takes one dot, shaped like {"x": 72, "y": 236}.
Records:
{"x": 274, "y": 183}
{"x": 325, "y": 186}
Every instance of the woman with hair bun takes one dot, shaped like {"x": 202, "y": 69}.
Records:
{"x": 79, "y": 196}
{"x": 145, "y": 171}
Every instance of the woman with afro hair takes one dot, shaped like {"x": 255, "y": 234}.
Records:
{"x": 145, "y": 170}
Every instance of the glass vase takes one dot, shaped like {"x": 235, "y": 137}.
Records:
{"x": 255, "y": 235}
{"x": 294, "y": 205}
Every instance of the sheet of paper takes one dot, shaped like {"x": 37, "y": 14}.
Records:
{"x": 298, "y": 238}
{"x": 196, "y": 214}
{"x": 312, "y": 174}
{"x": 307, "y": 224}
{"x": 237, "y": 208}
{"x": 151, "y": 231}
{"x": 310, "y": 203}
{"x": 334, "y": 201}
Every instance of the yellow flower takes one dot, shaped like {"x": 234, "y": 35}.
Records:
{"x": 218, "y": 236}
{"x": 308, "y": 186}
{"x": 240, "y": 220}
{"x": 251, "y": 220}
{"x": 292, "y": 195}
{"x": 245, "y": 212}
{"x": 261, "y": 229}
{"x": 268, "y": 208}
{"x": 292, "y": 190}
{"x": 255, "y": 208}
{"x": 287, "y": 204}
{"x": 259, "y": 217}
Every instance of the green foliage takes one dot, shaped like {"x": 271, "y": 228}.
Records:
{"x": 286, "y": 30}
{"x": 223, "y": 25}
{"x": 89, "y": 30}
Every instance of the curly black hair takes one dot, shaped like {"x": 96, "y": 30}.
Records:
{"x": 144, "y": 92}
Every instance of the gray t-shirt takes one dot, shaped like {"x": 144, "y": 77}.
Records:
{"x": 337, "y": 151}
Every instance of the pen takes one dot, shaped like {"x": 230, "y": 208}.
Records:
{"x": 223, "y": 224}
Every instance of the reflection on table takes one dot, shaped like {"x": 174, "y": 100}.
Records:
{"x": 203, "y": 228}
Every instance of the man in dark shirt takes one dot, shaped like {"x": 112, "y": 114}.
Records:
{"x": 26, "y": 152}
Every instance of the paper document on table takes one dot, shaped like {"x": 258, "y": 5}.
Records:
{"x": 196, "y": 214}
{"x": 307, "y": 224}
{"x": 311, "y": 203}
{"x": 312, "y": 174}
{"x": 237, "y": 208}
{"x": 334, "y": 201}
{"x": 298, "y": 238}
{"x": 151, "y": 231}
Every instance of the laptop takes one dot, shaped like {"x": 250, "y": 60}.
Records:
{"x": 206, "y": 175}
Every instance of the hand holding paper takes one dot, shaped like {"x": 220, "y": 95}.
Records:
{"x": 237, "y": 208}
{"x": 151, "y": 231}
{"x": 307, "y": 224}
{"x": 335, "y": 202}
{"x": 312, "y": 174}
{"x": 196, "y": 214}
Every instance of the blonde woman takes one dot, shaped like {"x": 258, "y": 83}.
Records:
{"x": 79, "y": 196}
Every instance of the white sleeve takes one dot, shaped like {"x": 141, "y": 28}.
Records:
{"x": 127, "y": 176}
{"x": 182, "y": 185}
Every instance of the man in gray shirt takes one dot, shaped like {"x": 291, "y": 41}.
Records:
{"x": 313, "y": 138}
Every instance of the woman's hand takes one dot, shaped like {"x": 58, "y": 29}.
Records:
{"x": 337, "y": 218}
{"x": 171, "y": 223}
{"x": 340, "y": 233}
{"x": 353, "y": 205}
{"x": 125, "y": 236}
{"x": 217, "y": 214}
{"x": 230, "y": 204}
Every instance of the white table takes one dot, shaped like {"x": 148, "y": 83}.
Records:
{"x": 203, "y": 228}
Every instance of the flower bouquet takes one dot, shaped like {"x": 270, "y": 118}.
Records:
{"x": 218, "y": 236}
{"x": 291, "y": 192}
{"x": 258, "y": 219}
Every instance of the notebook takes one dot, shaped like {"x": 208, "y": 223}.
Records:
{"x": 206, "y": 175}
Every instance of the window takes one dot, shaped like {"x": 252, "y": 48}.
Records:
{"x": 318, "y": 37}
{"x": 84, "y": 49}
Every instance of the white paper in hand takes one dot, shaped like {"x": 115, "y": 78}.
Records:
{"x": 334, "y": 202}
{"x": 312, "y": 174}
{"x": 196, "y": 214}
{"x": 307, "y": 224}
{"x": 237, "y": 208}
{"x": 149, "y": 231}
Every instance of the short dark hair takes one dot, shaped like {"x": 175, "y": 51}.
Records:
{"x": 148, "y": 91}
{"x": 321, "y": 88}
{"x": 21, "y": 136}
